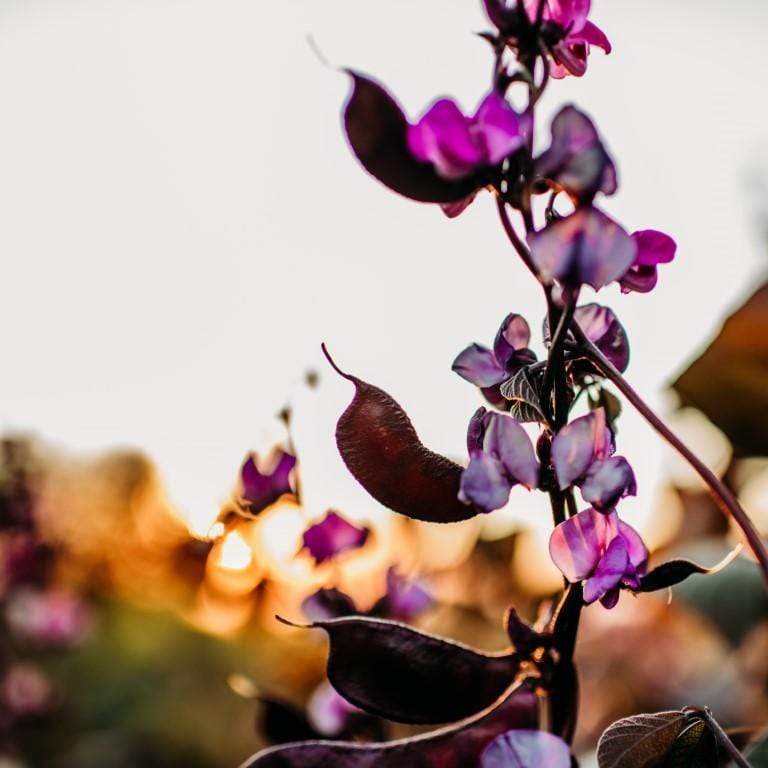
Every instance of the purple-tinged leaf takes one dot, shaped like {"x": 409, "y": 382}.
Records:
{"x": 381, "y": 449}
{"x": 377, "y": 130}
{"x": 526, "y": 749}
{"x": 332, "y": 536}
{"x": 457, "y": 746}
{"x": 695, "y": 747}
{"x": 396, "y": 672}
{"x": 641, "y": 741}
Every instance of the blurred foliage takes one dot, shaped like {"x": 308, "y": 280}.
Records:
{"x": 729, "y": 381}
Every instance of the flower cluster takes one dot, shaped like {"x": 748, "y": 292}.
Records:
{"x": 532, "y": 434}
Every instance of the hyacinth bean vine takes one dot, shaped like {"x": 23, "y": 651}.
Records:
{"x": 516, "y": 708}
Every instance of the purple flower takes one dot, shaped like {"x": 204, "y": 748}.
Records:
{"x": 653, "y": 248}
{"x": 458, "y": 145}
{"x": 487, "y": 369}
{"x": 25, "y": 691}
{"x": 600, "y": 550}
{"x": 526, "y": 749}
{"x": 501, "y": 456}
{"x": 445, "y": 157}
{"x": 603, "y": 329}
{"x": 576, "y": 161}
{"x": 578, "y": 34}
{"x": 404, "y": 599}
{"x": 585, "y": 247}
{"x": 263, "y": 487}
{"x": 582, "y": 455}
{"x": 332, "y": 536}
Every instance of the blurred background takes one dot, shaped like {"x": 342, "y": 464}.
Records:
{"x": 182, "y": 224}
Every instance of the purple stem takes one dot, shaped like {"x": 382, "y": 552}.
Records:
{"x": 719, "y": 491}
{"x": 514, "y": 238}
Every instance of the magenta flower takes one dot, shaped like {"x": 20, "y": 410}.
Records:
{"x": 487, "y": 369}
{"x": 602, "y": 551}
{"x": 570, "y": 54}
{"x": 457, "y": 145}
{"x": 576, "y": 161}
{"x": 332, "y": 536}
{"x": 501, "y": 456}
{"x": 445, "y": 157}
{"x": 585, "y": 247}
{"x": 653, "y": 248}
{"x": 52, "y": 619}
{"x": 582, "y": 455}
{"x": 262, "y": 487}
{"x": 526, "y": 749}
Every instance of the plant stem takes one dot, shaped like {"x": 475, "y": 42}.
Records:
{"x": 719, "y": 491}
{"x": 514, "y": 238}
{"x": 722, "y": 737}
{"x": 554, "y": 375}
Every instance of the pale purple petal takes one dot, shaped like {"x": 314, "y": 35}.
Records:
{"x": 609, "y": 571}
{"x": 608, "y": 481}
{"x": 478, "y": 365}
{"x": 507, "y": 441}
{"x": 484, "y": 483}
{"x": 570, "y": 59}
{"x": 573, "y": 450}
{"x": 332, "y": 536}
{"x": 577, "y": 544}
{"x": 603, "y": 329}
{"x": 500, "y": 128}
{"x": 476, "y": 430}
{"x": 513, "y": 335}
{"x": 638, "y": 553}
{"x": 526, "y": 749}
{"x": 576, "y": 159}
{"x": 639, "y": 279}
{"x": 443, "y": 137}
{"x": 585, "y": 247}
{"x": 405, "y": 599}
{"x": 328, "y": 712}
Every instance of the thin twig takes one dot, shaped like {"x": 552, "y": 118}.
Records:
{"x": 719, "y": 491}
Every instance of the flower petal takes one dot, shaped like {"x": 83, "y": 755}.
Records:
{"x": 577, "y": 544}
{"x": 591, "y": 34}
{"x": 332, "y": 536}
{"x": 377, "y": 130}
{"x": 525, "y": 749}
{"x": 608, "y": 481}
{"x": 609, "y": 571}
{"x": 484, "y": 483}
{"x": 513, "y": 335}
{"x": 443, "y": 137}
{"x": 585, "y": 247}
{"x": 603, "y": 329}
{"x": 507, "y": 441}
{"x": 501, "y": 129}
{"x": 479, "y": 366}
{"x": 260, "y": 489}
{"x": 653, "y": 247}
{"x": 638, "y": 552}
{"x": 576, "y": 159}
{"x": 404, "y": 599}
{"x": 573, "y": 450}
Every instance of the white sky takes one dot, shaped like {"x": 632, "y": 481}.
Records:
{"x": 181, "y": 223}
